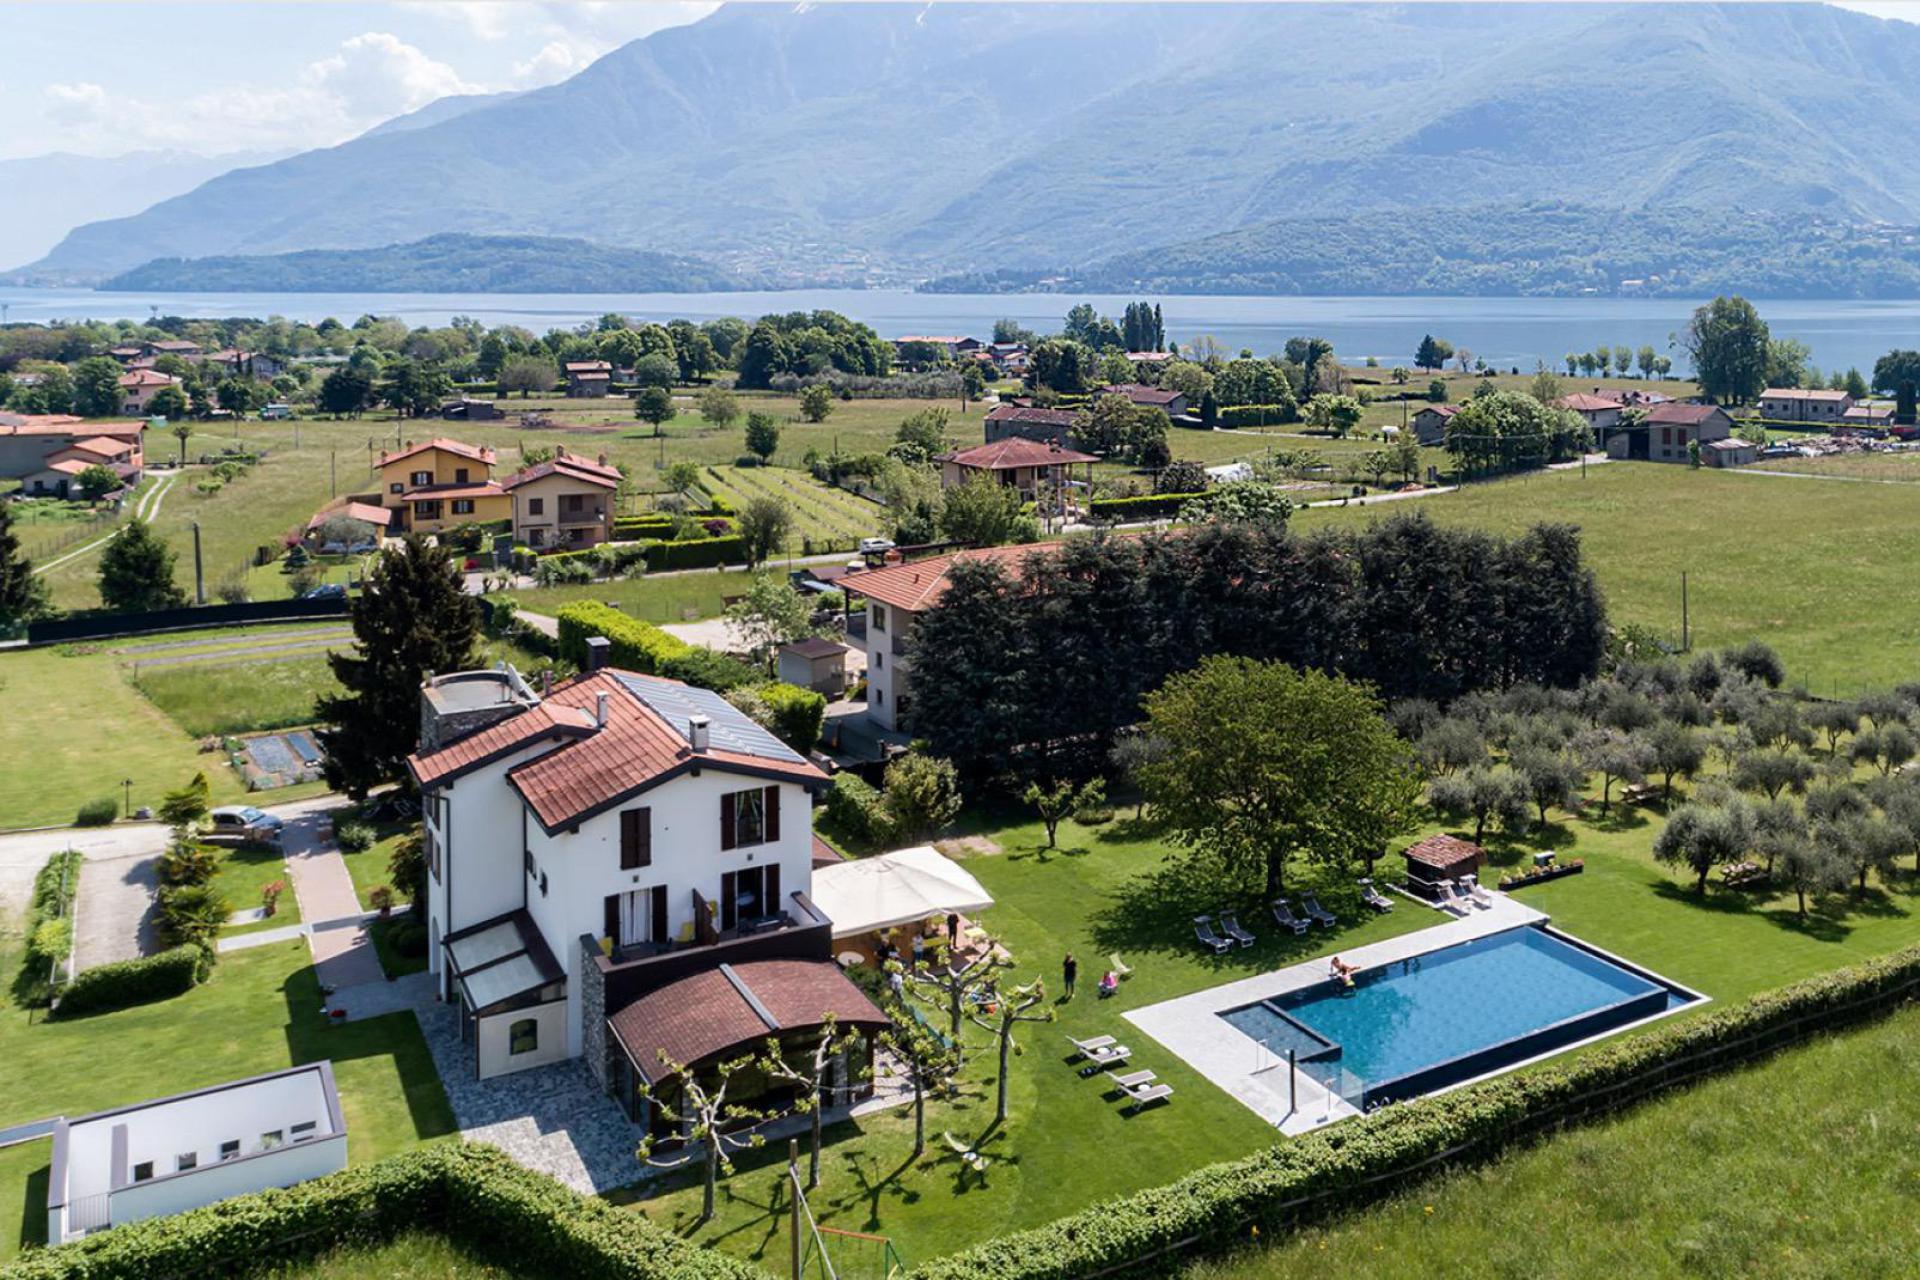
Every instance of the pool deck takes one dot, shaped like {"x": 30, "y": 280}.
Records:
{"x": 1192, "y": 1028}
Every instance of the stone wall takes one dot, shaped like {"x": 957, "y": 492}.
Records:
{"x": 593, "y": 1013}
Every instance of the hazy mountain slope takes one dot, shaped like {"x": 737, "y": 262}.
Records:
{"x": 993, "y": 135}
{"x": 440, "y": 109}
{"x": 69, "y": 191}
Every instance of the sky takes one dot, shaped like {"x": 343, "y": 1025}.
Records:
{"x": 107, "y": 79}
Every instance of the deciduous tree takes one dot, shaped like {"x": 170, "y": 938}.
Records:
{"x": 1726, "y": 340}
{"x": 763, "y": 525}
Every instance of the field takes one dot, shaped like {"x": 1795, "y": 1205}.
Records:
{"x": 1816, "y": 569}
{"x": 1891, "y": 468}
{"x": 672, "y": 597}
{"x": 260, "y": 1012}
{"x": 1700, "y": 1183}
{"x": 824, "y": 518}
{"x": 238, "y": 696}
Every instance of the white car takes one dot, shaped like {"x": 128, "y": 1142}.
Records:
{"x": 875, "y": 546}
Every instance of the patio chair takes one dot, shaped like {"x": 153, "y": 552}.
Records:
{"x": 1230, "y": 925}
{"x": 1317, "y": 913}
{"x": 1099, "y": 1060}
{"x": 1284, "y": 917}
{"x": 1132, "y": 1080}
{"x": 1120, "y": 968}
{"x": 1092, "y": 1045}
{"x": 1374, "y": 898}
{"x": 1450, "y": 899}
{"x": 1143, "y": 1098}
{"x": 1477, "y": 894}
{"x": 1203, "y": 930}
{"x": 969, "y": 1155}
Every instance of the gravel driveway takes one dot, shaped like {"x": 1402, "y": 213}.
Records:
{"x": 115, "y": 916}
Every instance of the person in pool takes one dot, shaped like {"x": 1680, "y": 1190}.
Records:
{"x": 1342, "y": 971}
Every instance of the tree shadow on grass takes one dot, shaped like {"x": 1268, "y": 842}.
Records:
{"x": 1818, "y": 924}
{"x": 1154, "y": 912}
{"x": 1725, "y": 902}
{"x": 312, "y": 1036}
{"x": 1623, "y": 817}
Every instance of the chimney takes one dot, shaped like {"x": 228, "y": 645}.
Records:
{"x": 697, "y": 732}
{"x": 546, "y": 683}
{"x": 599, "y": 649}
{"x": 600, "y": 710}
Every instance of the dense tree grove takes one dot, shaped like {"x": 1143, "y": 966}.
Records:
{"x": 1728, "y": 344}
{"x": 1510, "y": 431}
{"x": 815, "y": 342}
{"x": 1041, "y": 670}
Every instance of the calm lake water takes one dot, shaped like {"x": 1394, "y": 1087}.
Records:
{"x": 1504, "y": 331}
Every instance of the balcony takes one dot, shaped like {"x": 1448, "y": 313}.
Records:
{"x": 799, "y": 931}
{"x": 586, "y": 515}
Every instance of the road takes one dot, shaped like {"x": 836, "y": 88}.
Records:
{"x": 145, "y": 507}
{"x": 25, "y": 852}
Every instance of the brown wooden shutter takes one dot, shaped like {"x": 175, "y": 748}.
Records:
{"x": 772, "y": 906}
{"x": 726, "y": 821}
{"x": 729, "y": 899}
{"x": 660, "y": 913}
{"x": 636, "y": 838}
{"x": 773, "y": 814}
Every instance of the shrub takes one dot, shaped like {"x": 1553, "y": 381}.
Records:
{"x": 353, "y": 836}
{"x": 381, "y": 896}
{"x": 130, "y": 982}
{"x": 793, "y": 714}
{"x": 192, "y": 914}
{"x": 709, "y": 670}
{"x": 407, "y": 867}
{"x": 695, "y": 553}
{"x": 856, "y": 811}
{"x": 1256, "y": 415}
{"x": 49, "y": 926}
{"x": 408, "y": 937}
{"x": 187, "y": 862}
{"x": 97, "y": 813}
{"x": 52, "y": 940}
{"x": 1159, "y": 506}
{"x": 637, "y": 645}
{"x": 270, "y": 895}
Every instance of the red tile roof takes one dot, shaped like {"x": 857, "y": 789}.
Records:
{"x": 64, "y": 424}
{"x": 476, "y": 452}
{"x": 1801, "y": 393}
{"x": 105, "y": 446}
{"x": 1582, "y": 402}
{"x": 365, "y": 512}
{"x": 1140, "y": 394}
{"x": 1443, "y": 852}
{"x": 706, "y": 1014}
{"x": 1014, "y": 452}
{"x": 917, "y": 584}
{"x": 572, "y": 468}
{"x": 1680, "y": 414}
{"x": 1444, "y": 410}
{"x": 556, "y": 719}
{"x": 147, "y": 378}
{"x": 588, "y": 366}
{"x": 1030, "y": 413}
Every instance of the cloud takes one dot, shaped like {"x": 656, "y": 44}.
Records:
{"x": 378, "y": 75}
{"x": 554, "y": 63}
{"x": 79, "y": 103}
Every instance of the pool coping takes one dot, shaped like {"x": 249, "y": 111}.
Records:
{"x": 1190, "y": 1026}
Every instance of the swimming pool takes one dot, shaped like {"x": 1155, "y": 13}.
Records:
{"x": 1436, "y": 1019}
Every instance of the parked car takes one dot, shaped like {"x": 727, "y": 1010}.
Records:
{"x": 247, "y": 823}
{"x": 875, "y": 546}
{"x": 327, "y": 591}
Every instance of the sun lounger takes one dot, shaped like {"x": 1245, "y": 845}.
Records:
{"x": 1284, "y": 917}
{"x": 1203, "y": 930}
{"x": 1374, "y": 898}
{"x": 969, "y": 1156}
{"x": 1445, "y": 896}
{"x": 1119, "y": 966}
{"x": 1480, "y": 897}
{"x": 1092, "y": 1045}
{"x": 1141, "y": 1098}
{"x": 1132, "y": 1080}
{"x": 1112, "y": 1055}
{"x": 1230, "y": 926}
{"x": 1317, "y": 913}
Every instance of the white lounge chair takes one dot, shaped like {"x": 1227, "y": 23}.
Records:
{"x": 1132, "y": 1080}
{"x": 1093, "y": 1045}
{"x": 1108, "y": 1056}
{"x": 1153, "y": 1093}
{"x": 1449, "y": 900}
{"x": 1478, "y": 894}
{"x": 1374, "y": 898}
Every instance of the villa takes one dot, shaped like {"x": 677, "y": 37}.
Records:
{"x": 618, "y": 872}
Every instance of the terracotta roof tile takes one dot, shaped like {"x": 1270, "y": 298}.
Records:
{"x": 918, "y": 583}
{"x": 1443, "y": 852}
{"x": 1014, "y": 452}
{"x": 476, "y": 452}
{"x": 1680, "y": 414}
{"x": 706, "y": 1014}
{"x": 1031, "y": 413}
{"x": 548, "y": 720}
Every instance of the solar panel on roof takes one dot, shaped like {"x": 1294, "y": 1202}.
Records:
{"x": 730, "y": 728}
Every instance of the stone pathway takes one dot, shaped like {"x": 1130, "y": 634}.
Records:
{"x": 260, "y": 938}
{"x": 114, "y": 917}
{"x": 336, "y": 927}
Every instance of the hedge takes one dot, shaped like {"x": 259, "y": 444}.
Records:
{"x": 1257, "y": 415}
{"x": 795, "y": 715}
{"x": 695, "y": 553}
{"x": 49, "y": 924}
{"x": 855, "y": 809}
{"x": 641, "y": 646}
{"x": 511, "y": 1217}
{"x": 1154, "y": 506}
{"x": 1376, "y": 1155}
{"x": 173, "y": 972}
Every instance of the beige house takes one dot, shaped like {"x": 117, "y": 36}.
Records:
{"x": 1804, "y": 404}
{"x": 1602, "y": 413}
{"x": 1430, "y": 424}
{"x": 138, "y": 387}
{"x": 588, "y": 379}
{"x": 1024, "y": 464}
{"x": 1666, "y": 431}
{"x": 566, "y": 501}
{"x": 47, "y": 452}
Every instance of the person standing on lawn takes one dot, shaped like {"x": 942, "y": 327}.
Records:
{"x": 1069, "y": 970}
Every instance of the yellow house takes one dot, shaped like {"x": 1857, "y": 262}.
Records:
{"x": 441, "y": 484}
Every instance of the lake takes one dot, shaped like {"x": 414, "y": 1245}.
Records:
{"x": 1504, "y": 331}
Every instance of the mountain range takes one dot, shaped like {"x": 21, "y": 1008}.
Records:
{"x": 881, "y": 143}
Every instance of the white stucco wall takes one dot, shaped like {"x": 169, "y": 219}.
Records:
{"x": 495, "y": 1039}
{"x": 282, "y": 1167}
{"x": 480, "y": 850}
{"x": 885, "y": 669}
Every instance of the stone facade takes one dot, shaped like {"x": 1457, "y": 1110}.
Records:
{"x": 593, "y": 1014}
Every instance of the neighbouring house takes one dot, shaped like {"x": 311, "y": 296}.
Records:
{"x": 1438, "y": 858}
{"x": 1031, "y": 422}
{"x": 1731, "y": 452}
{"x": 138, "y": 387}
{"x": 618, "y": 871}
{"x": 170, "y": 347}
{"x": 566, "y": 501}
{"x": 1024, "y": 464}
{"x": 588, "y": 379}
{"x": 815, "y": 663}
{"x": 172, "y": 1154}
{"x": 1665, "y": 431}
{"x": 894, "y": 596}
{"x": 369, "y": 521}
{"x": 1147, "y": 397}
{"x": 257, "y": 365}
{"x": 126, "y": 355}
{"x": 470, "y": 410}
{"x": 440, "y": 484}
{"x": 47, "y": 452}
{"x": 1430, "y": 424}
{"x": 1601, "y": 413}
{"x": 1804, "y": 404}
{"x": 950, "y": 346}
{"x": 1868, "y": 415}
{"x": 1149, "y": 357}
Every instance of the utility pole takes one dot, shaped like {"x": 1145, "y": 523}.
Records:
{"x": 199, "y": 577}
{"x": 333, "y": 473}
{"x": 1686, "y": 634}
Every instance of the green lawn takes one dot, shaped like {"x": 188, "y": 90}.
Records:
{"x": 824, "y": 518}
{"x": 369, "y": 867}
{"x": 244, "y": 869}
{"x": 260, "y": 1012}
{"x": 1817, "y": 569}
{"x": 425, "y": 1255}
{"x": 675, "y": 597}
{"x": 1903, "y": 468}
{"x": 1802, "y": 1166}
{"x": 228, "y": 696}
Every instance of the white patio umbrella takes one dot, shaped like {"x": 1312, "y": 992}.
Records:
{"x": 907, "y": 885}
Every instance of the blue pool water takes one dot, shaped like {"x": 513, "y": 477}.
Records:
{"x": 1436, "y": 1019}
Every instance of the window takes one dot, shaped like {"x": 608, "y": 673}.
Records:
{"x": 191, "y": 1160}
{"x": 636, "y": 839}
{"x": 536, "y": 506}
{"x": 526, "y": 858}
{"x": 143, "y": 1171}
{"x": 878, "y": 615}
{"x": 749, "y": 817}
{"x": 523, "y": 1036}
{"x": 420, "y": 477}
{"x": 433, "y": 854}
{"x": 879, "y": 697}
{"x": 573, "y": 503}
{"x": 305, "y": 1130}
{"x": 879, "y": 660}
{"x": 463, "y": 506}
{"x": 272, "y": 1138}
{"x": 459, "y": 475}
{"x": 396, "y": 487}
{"x": 230, "y": 1150}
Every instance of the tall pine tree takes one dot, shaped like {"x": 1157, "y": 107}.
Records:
{"x": 23, "y": 597}
{"x": 411, "y": 621}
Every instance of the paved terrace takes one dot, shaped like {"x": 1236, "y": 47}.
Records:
{"x": 1192, "y": 1028}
